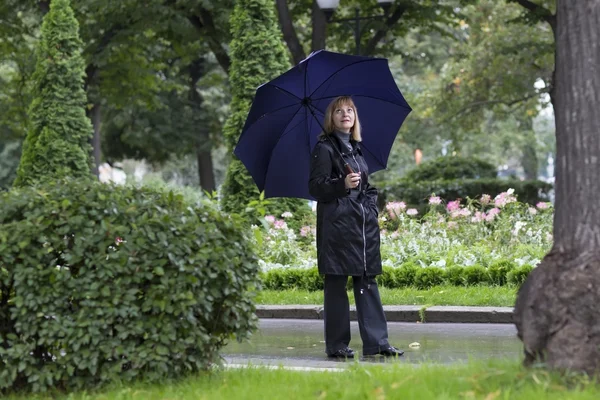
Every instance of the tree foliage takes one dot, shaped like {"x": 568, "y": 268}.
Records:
{"x": 57, "y": 142}
{"x": 258, "y": 55}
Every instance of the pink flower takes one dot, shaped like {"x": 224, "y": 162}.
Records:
{"x": 485, "y": 199}
{"x": 304, "y": 231}
{"x": 453, "y": 205}
{"x": 491, "y": 215}
{"x": 119, "y": 240}
{"x": 532, "y": 211}
{"x": 395, "y": 208}
{"x": 479, "y": 217}
{"x": 452, "y": 225}
{"x": 412, "y": 211}
{"x": 504, "y": 198}
{"x": 270, "y": 219}
{"x": 542, "y": 206}
{"x": 280, "y": 224}
{"x": 435, "y": 200}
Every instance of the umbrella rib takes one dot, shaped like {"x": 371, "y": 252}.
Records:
{"x": 264, "y": 115}
{"x": 284, "y": 90}
{"x": 367, "y": 97}
{"x": 343, "y": 68}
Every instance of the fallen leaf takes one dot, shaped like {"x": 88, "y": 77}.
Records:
{"x": 492, "y": 395}
{"x": 290, "y": 348}
{"x": 414, "y": 345}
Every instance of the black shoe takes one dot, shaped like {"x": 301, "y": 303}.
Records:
{"x": 390, "y": 351}
{"x": 342, "y": 353}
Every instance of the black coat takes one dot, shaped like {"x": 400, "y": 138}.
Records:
{"x": 347, "y": 227}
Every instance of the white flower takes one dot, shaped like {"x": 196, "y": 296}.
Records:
{"x": 412, "y": 211}
{"x": 287, "y": 214}
{"x": 510, "y": 191}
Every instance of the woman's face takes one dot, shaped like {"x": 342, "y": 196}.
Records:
{"x": 343, "y": 118}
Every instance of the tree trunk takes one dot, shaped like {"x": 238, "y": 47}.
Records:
{"x": 319, "y": 27}
{"x": 556, "y": 313}
{"x": 203, "y": 144}
{"x": 289, "y": 32}
{"x": 529, "y": 158}
{"x": 96, "y": 117}
{"x": 205, "y": 168}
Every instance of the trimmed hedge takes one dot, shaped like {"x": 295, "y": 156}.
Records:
{"x": 451, "y": 168}
{"x": 407, "y": 275}
{"x": 417, "y": 193}
{"x": 79, "y": 307}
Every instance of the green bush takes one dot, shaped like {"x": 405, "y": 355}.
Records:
{"x": 474, "y": 275}
{"x": 518, "y": 275}
{"x": 451, "y": 168}
{"x": 454, "y": 276}
{"x": 407, "y": 275}
{"x": 428, "y": 277}
{"x": 417, "y": 193}
{"x": 498, "y": 272}
{"x": 80, "y": 308}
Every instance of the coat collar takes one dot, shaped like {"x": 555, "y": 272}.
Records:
{"x": 343, "y": 149}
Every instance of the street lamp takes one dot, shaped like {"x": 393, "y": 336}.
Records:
{"x": 329, "y": 6}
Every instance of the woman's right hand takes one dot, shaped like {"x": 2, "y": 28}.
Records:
{"x": 352, "y": 180}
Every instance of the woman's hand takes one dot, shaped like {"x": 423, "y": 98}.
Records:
{"x": 352, "y": 180}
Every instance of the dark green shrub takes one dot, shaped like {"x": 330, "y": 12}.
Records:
{"x": 428, "y": 277}
{"x": 404, "y": 276}
{"x": 451, "y": 168}
{"x": 80, "y": 308}
{"x": 498, "y": 271}
{"x": 293, "y": 278}
{"x": 475, "y": 274}
{"x": 518, "y": 275}
{"x": 258, "y": 54}
{"x": 57, "y": 143}
{"x": 387, "y": 278}
{"x": 454, "y": 275}
{"x": 416, "y": 193}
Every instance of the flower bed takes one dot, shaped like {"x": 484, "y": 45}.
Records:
{"x": 460, "y": 242}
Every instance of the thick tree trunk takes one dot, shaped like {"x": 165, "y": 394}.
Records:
{"x": 556, "y": 313}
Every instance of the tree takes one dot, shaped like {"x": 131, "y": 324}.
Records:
{"x": 57, "y": 142}
{"x": 305, "y": 27}
{"x": 257, "y": 56}
{"x": 556, "y": 312}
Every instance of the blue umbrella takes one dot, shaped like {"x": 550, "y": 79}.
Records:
{"x": 287, "y": 114}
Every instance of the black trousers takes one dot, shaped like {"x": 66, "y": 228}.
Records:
{"x": 369, "y": 311}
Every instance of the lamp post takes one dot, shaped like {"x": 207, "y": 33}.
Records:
{"x": 329, "y": 6}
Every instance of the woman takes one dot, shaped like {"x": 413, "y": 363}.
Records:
{"x": 347, "y": 234}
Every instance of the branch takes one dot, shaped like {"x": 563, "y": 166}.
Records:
{"x": 538, "y": 11}
{"x": 91, "y": 69}
{"x": 289, "y": 32}
{"x": 204, "y": 23}
{"x": 380, "y": 34}
{"x": 492, "y": 102}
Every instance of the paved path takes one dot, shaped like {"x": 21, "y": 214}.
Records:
{"x": 299, "y": 343}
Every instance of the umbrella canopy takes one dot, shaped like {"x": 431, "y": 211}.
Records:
{"x": 287, "y": 114}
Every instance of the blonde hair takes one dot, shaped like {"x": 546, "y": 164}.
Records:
{"x": 338, "y": 102}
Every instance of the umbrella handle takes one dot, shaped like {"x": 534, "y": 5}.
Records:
{"x": 348, "y": 168}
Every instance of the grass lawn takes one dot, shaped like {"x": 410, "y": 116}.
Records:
{"x": 436, "y": 296}
{"x": 476, "y": 380}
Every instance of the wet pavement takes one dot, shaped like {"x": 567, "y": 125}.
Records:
{"x": 299, "y": 343}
